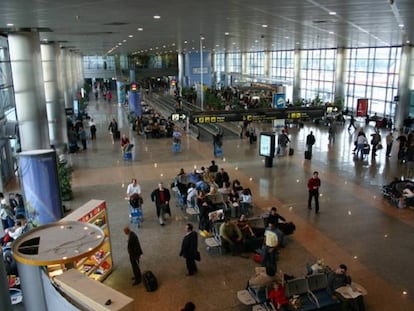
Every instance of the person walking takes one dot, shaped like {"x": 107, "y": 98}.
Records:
{"x": 352, "y": 123}
{"x": 135, "y": 253}
{"x": 310, "y": 141}
{"x": 375, "y": 141}
{"x": 389, "y": 140}
{"x": 161, "y": 196}
{"x": 314, "y": 184}
{"x": 189, "y": 249}
{"x": 92, "y": 128}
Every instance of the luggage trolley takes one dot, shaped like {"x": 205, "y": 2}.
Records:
{"x": 136, "y": 217}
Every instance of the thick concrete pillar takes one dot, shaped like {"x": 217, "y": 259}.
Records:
{"x": 5, "y": 302}
{"x": 27, "y": 75}
{"x": 63, "y": 77}
{"x": 69, "y": 79}
{"x": 55, "y": 109}
{"x": 32, "y": 287}
{"x": 340, "y": 76}
{"x": 403, "y": 107}
{"x": 296, "y": 77}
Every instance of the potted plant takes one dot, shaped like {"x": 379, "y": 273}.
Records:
{"x": 65, "y": 181}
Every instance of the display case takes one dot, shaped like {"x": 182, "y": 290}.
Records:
{"x": 99, "y": 265}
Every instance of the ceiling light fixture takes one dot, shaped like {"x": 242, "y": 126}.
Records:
{"x": 264, "y": 26}
{"x": 140, "y": 29}
{"x": 332, "y": 13}
{"x": 401, "y": 25}
{"x": 156, "y": 17}
{"x": 131, "y": 36}
{"x": 226, "y": 33}
{"x": 9, "y": 25}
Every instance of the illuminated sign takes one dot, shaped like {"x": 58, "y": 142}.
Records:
{"x": 256, "y": 115}
{"x": 134, "y": 87}
{"x": 178, "y": 116}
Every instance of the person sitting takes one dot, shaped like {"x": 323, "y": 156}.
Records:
{"x": 191, "y": 195}
{"x": 231, "y": 237}
{"x": 274, "y": 217}
{"x": 204, "y": 205}
{"x": 156, "y": 130}
{"x": 237, "y": 187}
{"x": 126, "y": 146}
{"x": 277, "y": 296}
{"x": 245, "y": 228}
{"x": 340, "y": 278}
{"x": 263, "y": 277}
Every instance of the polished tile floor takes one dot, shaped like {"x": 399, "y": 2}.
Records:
{"x": 356, "y": 226}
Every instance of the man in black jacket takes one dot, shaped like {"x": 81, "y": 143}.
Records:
{"x": 189, "y": 249}
{"x": 135, "y": 252}
{"x": 161, "y": 196}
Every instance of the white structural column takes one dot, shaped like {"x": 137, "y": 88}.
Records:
{"x": 63, "y": 78}
{"x": 29, "y": 91}
{"x": 180, "y": 72}
{"x": 403, "y": 107}
{"x": 55, "y": 108}
{"x": 340, "y": 75}
{"x": 296, "y": 78}
{"x": 69, "y": 80}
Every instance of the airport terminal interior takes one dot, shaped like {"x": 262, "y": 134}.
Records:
{"x": 355, "y": 226}
{"x": 311, "y": 52}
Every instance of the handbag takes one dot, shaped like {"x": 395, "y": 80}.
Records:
{"x": 379, "y": 147}
{"x": 198, "y": 256}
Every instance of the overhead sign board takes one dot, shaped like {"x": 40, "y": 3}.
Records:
{"x": 178, "y": 116}
{"x": 256, "y": 115}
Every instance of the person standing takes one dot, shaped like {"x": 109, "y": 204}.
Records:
{"x": 388, "y": 140}
{"x": 135, "y": 253}
{"x": 310, "y": 141}
{"x": 313, "y": 187}
{"x": 83, "y": 137}
{"x": 375, "y": 141}
{"x": 270, "y": 243}
{"x": 282, "y": 141}
{"x": 161, "y": 196}
{"x": 189, "y": 249}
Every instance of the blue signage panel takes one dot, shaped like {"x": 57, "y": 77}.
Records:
{"x": 279, "y": 100}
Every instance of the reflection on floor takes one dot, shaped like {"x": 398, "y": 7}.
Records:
{"x": 356, "y": 226}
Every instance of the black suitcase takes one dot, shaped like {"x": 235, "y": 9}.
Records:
{"x": 117, "y": 135}
{"x": 150, "y": 281}
{"x": 308, "y": 155}
{"x": 291, "y": 151}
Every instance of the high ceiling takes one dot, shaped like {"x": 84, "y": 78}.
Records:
{"x": 96, "y": 27}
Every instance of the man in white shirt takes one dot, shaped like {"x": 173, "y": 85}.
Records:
{"x": 133, "y": 187}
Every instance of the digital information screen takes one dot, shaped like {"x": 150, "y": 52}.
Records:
{"x": 267, "y": 145}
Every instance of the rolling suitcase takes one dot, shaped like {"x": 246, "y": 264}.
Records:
{"x": 308, "y": 155}
{"x": 291, "y": 151}
{"x": 150, "y": 281}
{"x": 116, "y": 135}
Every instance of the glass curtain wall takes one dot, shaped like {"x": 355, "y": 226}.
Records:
{"x": 282, "y": 70}
{"x": 372, "y": 73}
{"x": 255, "y": 64}
{"x": 219, "y": 66}
{"x": 318, "y": 75}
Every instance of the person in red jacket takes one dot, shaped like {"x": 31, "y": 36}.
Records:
{"x": 313, "y": 187}
{"x": 278, "y": 297}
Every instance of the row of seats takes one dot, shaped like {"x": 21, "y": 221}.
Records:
{"x": 310, "y": 293}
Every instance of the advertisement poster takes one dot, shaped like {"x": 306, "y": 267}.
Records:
{"x": 279, "y": 100}
{"x": 362, "y": 107}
